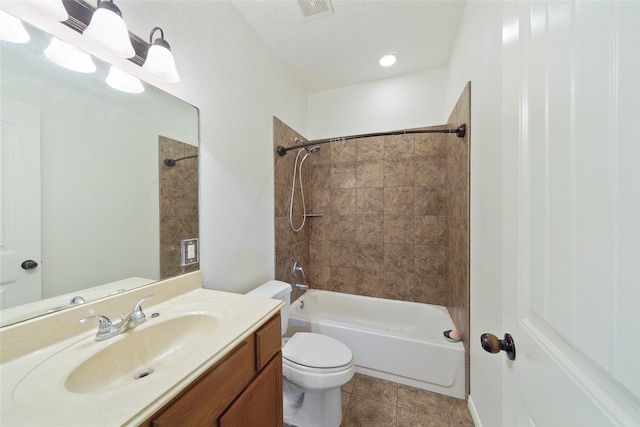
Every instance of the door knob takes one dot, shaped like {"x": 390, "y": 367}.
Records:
{"x": 492, "y": 344}
{"x": 29, "y": 264}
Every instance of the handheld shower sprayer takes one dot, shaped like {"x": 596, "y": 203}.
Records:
{"x": 298, "y": 169}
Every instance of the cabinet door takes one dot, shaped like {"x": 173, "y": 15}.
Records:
{"x": 261, "y": 403}
{"x": 203, "y": 403}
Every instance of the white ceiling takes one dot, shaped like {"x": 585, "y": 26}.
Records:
{"x": 341, "y": 49}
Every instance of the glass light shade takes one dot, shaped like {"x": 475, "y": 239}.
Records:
{"x": 69, "y": 57}
{"x": 160, "y": 64}
{"x": 123, "y": 81}
{"x": 107, "y": 29}
{"x": 50, "y": 8}
{"x": 11, "y": 29}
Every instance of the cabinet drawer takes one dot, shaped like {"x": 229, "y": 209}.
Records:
{"x": 268, "y": 341}
{"x": 203, "y": 403}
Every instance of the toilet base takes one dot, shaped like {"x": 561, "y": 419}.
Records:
{"x": 318, "y": 409}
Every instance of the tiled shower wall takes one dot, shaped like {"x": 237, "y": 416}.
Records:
{"x": 290, "y": 246}
{"x": 381, "y": 229}
{"x": 178, "y": 204}
{"x": 458, "y": 187}
{"x": 387, "y": 216}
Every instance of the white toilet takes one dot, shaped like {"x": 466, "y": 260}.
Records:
{"x": 314, "y": 367}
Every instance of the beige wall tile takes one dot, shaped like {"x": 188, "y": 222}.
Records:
{"x": 343, "y": 201}
{"x": 370, "y": 228}
{"x": 398, "y": 200}
{"x": 370, "y": 148}
{"x": 398, "y": 172}
{"x": 369, "y": 201}
{"x": 343, "y": 151}
{"x": 343, "y": 175}
{"x": 370, "y": 173}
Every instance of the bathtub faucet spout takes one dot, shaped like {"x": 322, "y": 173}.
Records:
{"x": 302, "y": 286}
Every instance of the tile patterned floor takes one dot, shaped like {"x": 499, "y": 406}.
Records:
{"x": 372, "y": 402}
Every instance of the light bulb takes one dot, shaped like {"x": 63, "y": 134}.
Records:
{"x": 123, "y": 81}
{"x": 11, "y": 29}
{"x": 69, "y": 57}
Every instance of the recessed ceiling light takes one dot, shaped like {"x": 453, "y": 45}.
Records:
{"x": 388, "y": 60}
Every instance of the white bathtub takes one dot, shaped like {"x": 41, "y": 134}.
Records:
{"x": 393, "y": 340}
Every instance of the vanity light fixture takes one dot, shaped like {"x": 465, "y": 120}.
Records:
{"x": 160, "y": 63}
{"x": 69, "y": 57}
{"x": 108, "y": 30}
{"x": 11, "y": 29}
{"x": 123, "y": 81}
{"x": 388, "y": 60}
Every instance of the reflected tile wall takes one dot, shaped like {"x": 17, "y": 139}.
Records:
{"x": 178, "y": 204}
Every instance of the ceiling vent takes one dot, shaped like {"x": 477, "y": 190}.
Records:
{"x": 315, "y": 8}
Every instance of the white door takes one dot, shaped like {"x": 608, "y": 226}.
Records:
{"x": 571, "y": 129}
{"x": 20, "y": 229}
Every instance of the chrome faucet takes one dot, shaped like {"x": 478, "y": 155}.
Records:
{"x": 297, "y": 270}
{"x": 106, "y": 329}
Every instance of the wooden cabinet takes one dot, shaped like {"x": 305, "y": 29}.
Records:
{"x": 243, "y": 389}
{"x": 259, "y": 405}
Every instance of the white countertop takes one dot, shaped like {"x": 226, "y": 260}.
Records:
{"x": 32, "y": 379}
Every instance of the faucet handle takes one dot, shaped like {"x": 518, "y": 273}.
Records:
{"x": 105, "y": 326}
{"x": 137, "y": 315}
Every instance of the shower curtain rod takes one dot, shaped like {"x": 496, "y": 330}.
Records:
{"x": 460, "y": 131}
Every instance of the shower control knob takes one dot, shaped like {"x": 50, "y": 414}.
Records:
{"x": 492, "y": 344}
{"x": 29, "y": 264}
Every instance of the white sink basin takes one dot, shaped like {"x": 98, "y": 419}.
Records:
{"x": 159, "y": 347}
{"x": 141, "y": 352}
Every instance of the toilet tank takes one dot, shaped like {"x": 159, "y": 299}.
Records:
{"x": 276, "y": 289}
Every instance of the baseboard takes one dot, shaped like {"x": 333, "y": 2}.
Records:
{"x": 474, "y": 413}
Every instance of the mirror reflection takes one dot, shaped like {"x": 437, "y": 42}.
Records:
{"x": 85, "y": 190}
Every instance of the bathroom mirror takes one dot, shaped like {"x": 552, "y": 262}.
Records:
{"x": 95, "y": 211}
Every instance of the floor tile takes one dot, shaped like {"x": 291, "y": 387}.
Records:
{"x": 408, "y": 418}
{"x": 364, "y": 412}
{"x": 376, "y": 389}
{"x": 430, "y": 403}
{"x": 372, "y": 402}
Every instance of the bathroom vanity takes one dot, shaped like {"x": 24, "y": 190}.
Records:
{"x": 202, "y": 357}
{"x": 243, "y": 389}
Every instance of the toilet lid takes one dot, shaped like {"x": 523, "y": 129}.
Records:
{"x": 316, "y": 350}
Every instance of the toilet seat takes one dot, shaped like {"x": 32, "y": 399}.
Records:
{"x": 313, "y": 352}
